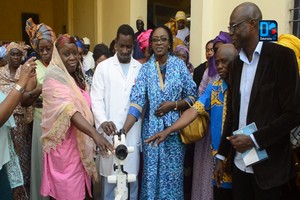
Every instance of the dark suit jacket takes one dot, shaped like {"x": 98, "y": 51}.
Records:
{"x": 274, "y": 107}
{"x": 198, "y": 73}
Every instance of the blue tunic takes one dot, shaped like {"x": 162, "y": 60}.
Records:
{"x": 163, "y": 165}
{"x": 213, "y": 101}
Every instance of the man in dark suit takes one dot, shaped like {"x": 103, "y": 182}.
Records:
{"x": 264, "y": 89}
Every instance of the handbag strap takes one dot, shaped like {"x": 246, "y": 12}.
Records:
{"x": 190, "y": 105}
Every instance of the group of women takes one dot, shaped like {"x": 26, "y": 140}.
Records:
{"x": 63, "y": 137}
{"x": 52, "y": 93}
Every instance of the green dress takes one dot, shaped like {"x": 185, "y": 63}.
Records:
{"x": 37, "y": 151}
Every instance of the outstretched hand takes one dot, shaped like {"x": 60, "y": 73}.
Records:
{"x": 157, "y": 138}
{"x": 103, "y": 145}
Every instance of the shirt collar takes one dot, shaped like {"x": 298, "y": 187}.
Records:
{"x": 257, "y": 51}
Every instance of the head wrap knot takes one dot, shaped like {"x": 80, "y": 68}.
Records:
{"x": 143, "y": 39}
{"x": 38, "y": 32}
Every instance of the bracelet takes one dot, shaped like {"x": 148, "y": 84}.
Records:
{"x": 122, "y": 131}
{"x": 176, "y": 106}
{"x": 19, "y": 88}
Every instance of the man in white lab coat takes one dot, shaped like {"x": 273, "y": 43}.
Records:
{"x": 110, "y": 95}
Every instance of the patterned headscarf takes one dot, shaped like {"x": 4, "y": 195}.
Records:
{"x": 21, "y": 46}
{"x": 292, "y": 42}
{"x": 143, "y": 39}
{"x": 38, "y": 32}
{"x": 225, "y": 38}
{"x": 61, "y": 99}
{"x": 185, "y": 49}
{"x": 182, "y": 47}
{"x": 171, "y": 24}
{"x": 79, "y": 44}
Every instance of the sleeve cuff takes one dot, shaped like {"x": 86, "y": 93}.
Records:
{"x": 134, "y": 112}
{"x": 220, "y": 157}
{"x": 190, "y": 99}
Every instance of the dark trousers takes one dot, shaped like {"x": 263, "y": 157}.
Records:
{"x": 222, "y": 193}
{"x": 245, "y": 187}
{"x": 5, "y": 190}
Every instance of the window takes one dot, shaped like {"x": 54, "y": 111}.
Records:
{"x": 296, "y": 18}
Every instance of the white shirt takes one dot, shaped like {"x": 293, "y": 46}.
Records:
{"x": 4, "y": 137}
{"x": 181, "y": 34}
{"x": 110, "y": 97}
{"x": 88, "y": 61}
{"x": 247, "y": 78}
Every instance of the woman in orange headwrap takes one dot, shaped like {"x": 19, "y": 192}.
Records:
{"x": 41, "y": 38}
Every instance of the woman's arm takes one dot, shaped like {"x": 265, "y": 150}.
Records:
{"x": 29, "y": 97}
{"x": 186, "y": 118}
{"x": 167, "y": 106}
{"x": 11, "y": 101}
{"x": 130, "y": 120}
{"x": 80, "y": 122}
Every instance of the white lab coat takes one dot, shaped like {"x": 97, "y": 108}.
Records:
{"x": 110, "y": 95}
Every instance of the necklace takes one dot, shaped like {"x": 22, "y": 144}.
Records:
{"x": 163, "y": 68}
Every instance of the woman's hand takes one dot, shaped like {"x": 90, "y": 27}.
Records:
{"x": 103, "y": 144}
{"x": 164, "y": 108}
{"x": 27, "y": 71}
{"x": 158, "y": 137}
{"x": 218, "y": 173}
{"x": 109, "y": 127}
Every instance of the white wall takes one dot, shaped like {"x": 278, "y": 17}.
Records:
{"x": 209, "y": 17}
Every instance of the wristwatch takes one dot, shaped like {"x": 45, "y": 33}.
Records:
{"x": 19, "y": 88}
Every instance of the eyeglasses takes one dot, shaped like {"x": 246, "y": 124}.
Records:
{"x": 232, "y": 28}
{"x": 157, "y": 39}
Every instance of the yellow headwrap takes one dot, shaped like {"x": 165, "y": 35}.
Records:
{"x": 171, "y": 24}
{"x": 292, "y": 42}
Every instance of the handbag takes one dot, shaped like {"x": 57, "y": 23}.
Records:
{"x": 195, "y": 131}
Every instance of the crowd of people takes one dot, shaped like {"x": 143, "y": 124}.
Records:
{"x": 62, "y": 103}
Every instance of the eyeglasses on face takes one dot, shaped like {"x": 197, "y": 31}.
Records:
{"x": 233, "y": 27}
{"x": 161, "y": 39}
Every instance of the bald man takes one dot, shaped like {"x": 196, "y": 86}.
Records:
{"x": 265, "y": 90}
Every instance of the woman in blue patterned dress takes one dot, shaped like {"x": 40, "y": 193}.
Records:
{"x": 162, "y": 88}
{"x": 212, "y": 103}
